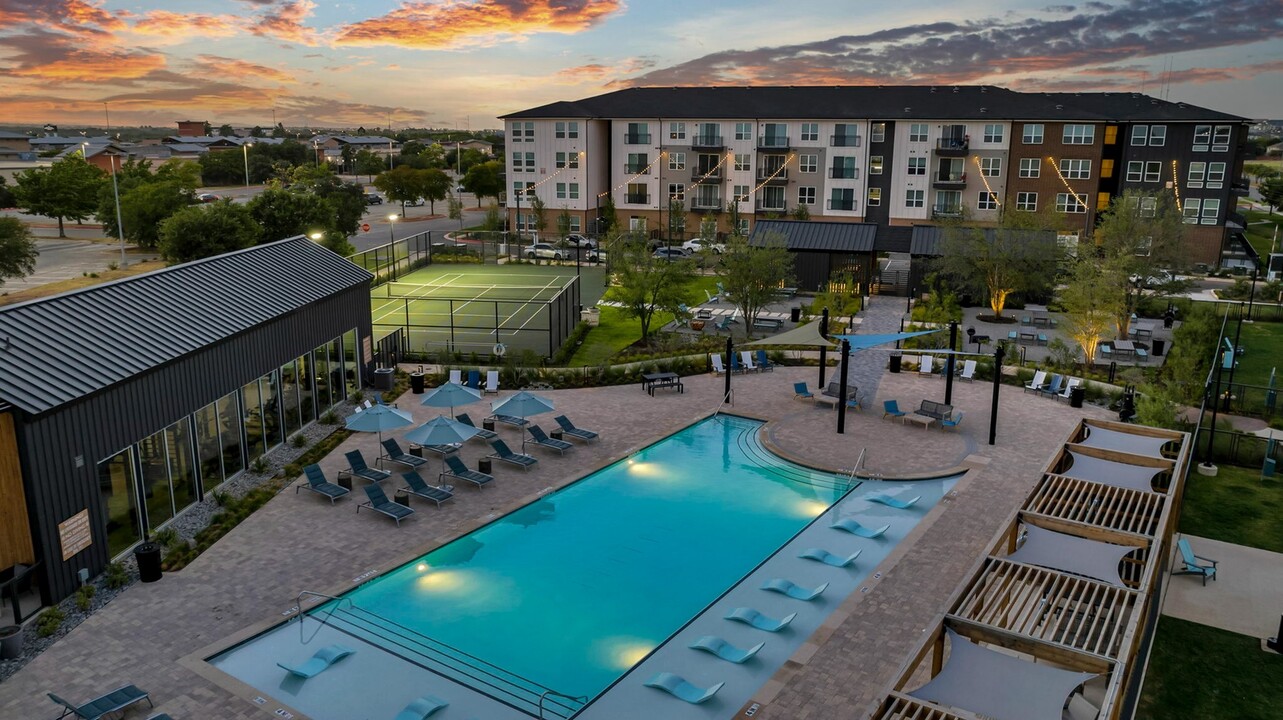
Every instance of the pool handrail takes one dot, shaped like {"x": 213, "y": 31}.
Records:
{"x": 298, "y": 610}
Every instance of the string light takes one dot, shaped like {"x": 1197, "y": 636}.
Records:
{"x": 644, "y": 171}
{"x": 714, "y": 169}
{"x": 992, "y": 195}
{"x": 1176, "y": 184}
{"x": 555, "y": 174}
{"x": 1055, "y": 166}
{"x": 783, "y": 166}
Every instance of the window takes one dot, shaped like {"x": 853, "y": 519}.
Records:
{"x": 1111, "y": 134}
{"x": 842, "y": 199}
{"x": 523, "y": 162}
{"x": 574, "y": 191}
{"x": 560, "y": 162}
{"x": 1211, "y": 209}
{"x": 637, "y": 194}
{"x": 1102, "y": 201}
{"x": 1032, "y": 134}
{"x": 808, "y": 163}
{"x": 775, "y": 135}
{"x": 875, "y": 197}
{"x": 845, "y": 135}
{"x": 561, "y": 191}
{"x": 1135, "y": 169}
{"x": 1075, "y": 169}
{"x": 707, "y": 197}
{"x": 676, "y": 131}
{"x": 991, "y": 166}
{"x": 637, "y": 164}
{"x": 709, "y": 165}
{"x": 878, "y": 132}
{"x": 1153, "y": 171}
{"x": 772, "y": 198}
{"x": 523, "y": 132}
{"x": 1197, "y": 171}
{"x": 917, "y": 166}
{"x": 875, "y": 165}
{"x": 567, "y": 129}
{"x": 1220, "y": 141}
{"x": 528, "y": 188}
{"x": 636, "y": 224}
{"x": 1158, "y": 135}
{"x": 917, "y": 132}
{"x": 709, "y": 133}
{"x": 1071, "y": 203}
{"x": 743, "y": 131}
{"x": 987, "y": 201}
{"x": 1148, "y": 207}
{"x": 740, "y": 193}
{"x": 1079, "y": 135}
{"x": 1215, "y": 175}
{"x": 1107, "y": 168}
{"x": 677, "y": 161}
{"x": 574, "y": 224}
{"x": 1202, "y": 137}
{"x": 638, "y": 134}
{"x": 1030, "y": 167}
{"x": 1027, "y": 201}
{"x": 810, "y": 131}
{"x": 1189, "y": 210}
{"x": 948, "y": 203}
{"x": 677, "y": 191}
{"x": 844, "y": 168}
{"x": 1140, "y": 135}
{"x": 742, "y": 162}
{"x": 561, "y": 129}
{"x": 806, "y": 196}
{"x": 993, "y": 133}
{"x": 568, "y": 160}
{"x": 914, "y": 198}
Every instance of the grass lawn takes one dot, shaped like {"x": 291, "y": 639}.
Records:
{"x": 1236, "y": 506}
{"x": 1201, "y": 672}
{"x": 1263, "y": 342}
{"x": 617, "y": 331}
{"x": 1260, "y": 229}
{"x": 61, "y": 286}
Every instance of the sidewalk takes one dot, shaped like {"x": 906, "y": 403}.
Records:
{"x": 1245, "y": 596}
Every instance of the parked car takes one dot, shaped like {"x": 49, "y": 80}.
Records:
{"x": 595, "y": 255}
{"x": 700, "y": 244}
{"x": 373, "y": 199}
{"x": 1153, "y": 279}
{"x": 543, "y": 250}
{"x": 671, "y": 254}
{"x": 417, "y": 202}
{"x": 581, "y": 241}
{"x": 207, "y": 197}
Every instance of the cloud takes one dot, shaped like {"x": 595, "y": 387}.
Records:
{"x": 52, "y": 56}
{"x": 77, "y": 17}
{"x": 456, "y": 23}
{"x": 162, "y": 23}
{"x": 233, "y": 67}
{"x": 285, "y": 22}
{"x": 600, "y": 73}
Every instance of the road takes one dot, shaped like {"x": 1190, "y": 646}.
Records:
{"x": 71, "y": 258}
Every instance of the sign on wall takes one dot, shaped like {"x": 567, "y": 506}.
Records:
{"x": 74, "y": 534}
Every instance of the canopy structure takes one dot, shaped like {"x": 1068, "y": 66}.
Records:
{"x": 1108, "y": 472}
{"x": 1000, "y": 686}
{"x": 1106, "y": 439}
{"x": 807, "y": 335}
{"x": 862, "y": 342}
{"x": 1072, "y": 554}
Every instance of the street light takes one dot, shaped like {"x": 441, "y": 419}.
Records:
{"x": 115, "y": 191}
{"x": 391, "y": 224}
{"x": 317, "y": 236}
{"x": 245, "y": 151}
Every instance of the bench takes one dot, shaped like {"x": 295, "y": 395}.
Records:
{"x": 832, "y": 394}
{"x": 653, "y": 381}
{"x": 771, "y": 324}
{"x": 933, "y": 409}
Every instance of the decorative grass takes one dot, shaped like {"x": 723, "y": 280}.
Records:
{"x": 1237, "y": 506}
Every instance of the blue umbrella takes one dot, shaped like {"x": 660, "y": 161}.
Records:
{"x": 441, "y": 430}
{"x": 379, "y": 418}
{"x": 451, "y": 394}
{"x": 523, "y": 405}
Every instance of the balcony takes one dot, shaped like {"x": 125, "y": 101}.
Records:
{"x": 953, "y": 147}
{"x": 844, "y": 140}
{"x": 706, "y": 203}
{"x": 847, "y": 205}
{"x": 946, "y": 211}
{"x": 707, "y": 142}
{"x": 770, "y": 206}
{"x": 637, "y": 138}
{"x": 712, "y": 174}
{"x": 949, "y": 181}
{"x": 1240, "y": 187}
{"x": 838, "y": 173}
{"x": 637, "y": 199}
{"x": 773, "y": 142}
{"x": 1233, "y": 221}
{"x": 775, "y": 176}
{"x": 635, "y": 168}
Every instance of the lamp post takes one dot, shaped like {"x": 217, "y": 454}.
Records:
{"x": 997, "y": 383}
{"x": 245, "y": 152}
{"x": 115, "y": 192}
{"x": 391, "y": 225}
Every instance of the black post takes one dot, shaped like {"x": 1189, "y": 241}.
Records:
{"x": 1216, "y": 401}
{"x": 950, "y": 362}
{"x": 897, "y": 342}
{"x": 824, "y": 333}
{"x": 1238, "y": 332}
{"x": 846, "y": 359}
{"x": 1252, "y": 295}
{"x": 997, "y": 383}
{"x": 726, "y": 397}
{"x": 908, "y": 306}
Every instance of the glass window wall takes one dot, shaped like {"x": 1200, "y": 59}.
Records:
{"x": 290, "y": 412}
{"x": 209, "y": 448}
{"x": 157, "y": 496}
{"x": 351, "y": 356}
{"x": 117, "y": 486}
{"x": 306, "y": 399}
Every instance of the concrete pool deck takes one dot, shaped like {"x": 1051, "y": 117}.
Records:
{"x": 299, "y": 541}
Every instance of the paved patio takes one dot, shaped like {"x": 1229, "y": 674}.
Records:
{"x": 299, "y": 541}
{"x": 1244, "y": 598}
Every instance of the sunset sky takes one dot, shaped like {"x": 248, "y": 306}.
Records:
{"x": 463, "y": 62}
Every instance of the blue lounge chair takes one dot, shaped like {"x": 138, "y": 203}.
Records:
{"x": 1011, "y": 335}
{"x": 889, "y": 501}
{"x": 829, "y": 558}
{"x": 357, "y": 467}
{"x": 677, "y": 686}
{"x": 1106, "y": 352}
{"x": 319, "y": 661}
{"x": 104, "y": 705}
{"x": 1192, "y": 566}
{"x": 855, "y": 528}
{"x": 891, "y": 408}
{"x": 501, "y": 452}
{"x": 317, "y": 483}
{"x": 568, "y": 429}
{"x": 416, "y": 485}
{"x": 510, "y": 420}
{"x": 380, "y": 502}
{"x": 482, "y": 433}
{"x": 736, "y": 365}
{"x": 1042, "y": 338}
{"x": 422, "y": 708}
{"x": 395, "y": 454}
{"x": 792, "y": 589}
{"x": 953, "y": 421}
{"x": 724, "y": 650}
{"x": 763, "y": 363}
{"x": 749, "y": 616}
{"x": 474, "y": 380}
{"x": 540, "y": 438}
{"x": 1052, "y": 388}
{"x": 455, "y": 468}
{"x": 800, "y": 392}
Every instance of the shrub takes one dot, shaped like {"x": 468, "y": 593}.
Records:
{"x": 116, "y": 575}
{"x": 329, "y": 418}
{"x": 167, "y": 538}
{"x": 260, "y": 466}
{"x": 85, "y": 596}
{"x": 49, "y": 622}
{"x": 298, "y": 440}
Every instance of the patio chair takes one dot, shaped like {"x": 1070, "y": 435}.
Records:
{"x": 395, "y": 454}
{"x": 319, "y": 662}
{"x": 1192, "y": 566}
{"x": 456, "y": 377}
{"x": 736, "y": 365}
{"x": 1026, "y": 320}
{"x": 829, "y": 558}
{"x": 502, "y": 452}
{"x": 724, "y": 650}
{"x": 968, "y": 371}
{"x": 793, "y": 590}
{"x": 1069, "y": 388}
{"x": 379, "y": 502}
{"x": 1106, "y": 352}
{"x": 889, "y": 501}
{"x": 723, "y": 323}
{"x": 746, "y": 359}
{"x": 455, "y": 468}
{"x": 474, "y": 380}
{"x": 422, "y": 708}
{"x": 510, "y": 420}
{"x": 482, "y": 433}
{"x": 891, "y": 408}
{"x": 103, "y": 705}
{"x": 801, "y": 393}
{"x": 953, "y": 421}
{"x": 749, "y": 616}
{"x": 1052, "y": 388}
{"x": 925, "y": 365}
{"x": 1042, "y": 338}
{"x": 416, "y": 485}
{"x": 1037, "y": 384}
{"x": 357, "y": 467}
{"x": 855, "y": 528}
{"x": 1011, "y": 335}
{"x": 568, "y": 429}
{"x": 763, "y": 363}
{"x": 1142, "y": 354}
{"x": 317, "y": 483}
{"x": 540, "y": 438}
{"x": 677, "y": 686}
{"x": 718, "y": 367}
{"x": 492, "y": 382}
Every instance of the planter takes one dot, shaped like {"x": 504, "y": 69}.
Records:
{"x": 10, "y": 642}
{"x": 1207, "y": 469}
{"x": 697, "y": 324}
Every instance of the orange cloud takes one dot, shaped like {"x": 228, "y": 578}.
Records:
{"x": 162, "y": 23}
{"x": 232, "y": 67}
{"x": 286, "y": 23}
{"x": 84, "y": 13}
{"x": 456, "y": 23}
{"x": 88, "y": 65}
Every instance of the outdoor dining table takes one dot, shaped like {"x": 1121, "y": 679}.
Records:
{"x": 1124, "y": 347}
{"x": 650, "y": 381}
{"x": 1143, "y": 329}
{"x": 1041, "y": 318}
{"x": 1028, "y": 336}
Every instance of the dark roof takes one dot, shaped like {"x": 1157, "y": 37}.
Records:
{"x": 57, "y": 349}
{"x": 842, "y": 237}
{"x": 894, "y": 238}
{"x": 928, "y": 238}
{"x": 877, "y": 102}
{"x": 6, "y": 135}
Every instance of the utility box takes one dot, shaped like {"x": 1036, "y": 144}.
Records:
{"x": 383, "y": 379}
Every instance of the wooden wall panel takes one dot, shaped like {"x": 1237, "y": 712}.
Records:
{"x": 15, "y": 533}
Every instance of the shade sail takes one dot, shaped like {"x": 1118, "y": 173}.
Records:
{"x": 998, "y": 685}
{"x": 807, "y": 335}
{"x": 1108, "y": 472}
{"x": 861, "y": 342}
{"x": 1107, "y": 439}
{"x": 1072, "y": 554}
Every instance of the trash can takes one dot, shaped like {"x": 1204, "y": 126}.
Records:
{"x": 148, "y": 557}
{"x": 487, "y": 424}
{"x": 795, "y": 314}
{"x": 10, "y": 642}
{"x": 417, "y": 383}
{"x": 483, "y": 465}
{"x": 895, "y": 363}
{"x": 383, "y": 379}
{"x": 1076, "y": 396}
{"x": 1159, "y": 347}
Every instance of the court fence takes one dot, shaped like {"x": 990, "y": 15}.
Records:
{"x": 398, "y": 258}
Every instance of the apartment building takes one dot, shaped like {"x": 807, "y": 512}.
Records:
{"x": 672, "y": 159}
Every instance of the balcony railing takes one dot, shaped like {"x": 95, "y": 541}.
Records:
{"x": 772, "y": 176}
{"x": 637, "y": 138}
{"x": 770, "y": 206}
{"x": 947, "y": 180}
{"x": 844, "y": 140}
{"x": 773, "y": 142}
{"x": 953, "y": 147}
{"x": 635, "y": 168}
{"x": 706, "y": 203}
{"x": 707, "y": 141}
{"x": 841, "y": 204}
{"x": 707, "y": 174}
{"x": 838, "y": 173}
{"x": 946, "y": 211}
{"x": 637, "y": 199}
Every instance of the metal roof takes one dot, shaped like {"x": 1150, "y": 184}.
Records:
{"x": 928, "y": 238}
{"x": 57, "y": 349}
{"x": 819, "y": 236}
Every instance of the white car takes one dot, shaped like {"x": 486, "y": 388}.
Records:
{"x": 417, "y": 202}
{"x": 700, "y": 244}
{"x": 595, "y": 256}
{"x": 671, "y": 254}
{"x": 1156, "y": 278}
{"x": 581, "y": 241}
{"x": 543, "y": 250}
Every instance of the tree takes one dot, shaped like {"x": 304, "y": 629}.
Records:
{"x": 1019, "y": 255}
{"x": 226, "y": 131}
{"x": 208, "y": 128}
{"x": 281, "y": 214}
{"x": 455, "y": 209}
{"x": 144, "y": 207}
{"x": 493, "y": 220}
{"x": 402, "y": 184}
{"x": 801, "y": 214}
{"x": 17, "y": 250}
{"x": 279, "y": 131}
{"x": 563, "y": 223}
{"x": 368, "y": 164}
{"x": 338, "y": 243}
{"x": 1091, "y": 299}
{"x": 646, "y": 284}
{"x": 1271, "y": 191}
{"x": 433, "y": 156}
{"x": 1138, "y": 233}
{"x": 708, "y": 228}
{"x": 7, "y": 198}
{"x": 609, "y": 216}
{"x": 67, "y": 190}
{"x": 436, "y": 185}
{"x": 1260, "y": 171}
{"x": 753, "y": 275}
{"x": 484, "y": 180}
{"x": 256, "y": 132}
{"x": 202, "y": 231}
{"x": 541, "y": 216}
{"x": 348, "y": 155}
{"x": 676, "y": 220}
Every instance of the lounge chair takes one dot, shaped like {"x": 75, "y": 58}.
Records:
{"x": 482, "y": 433}
{"x": 540, "y": 438}
{"x": 925, "y": 365}
{"x": 317, "y": 483}
{"x": 395, "y": 454}
{"x": 501, "y": 452}
{"x": 1011, "y": 335}
{"x": 456, "y": 377}
{"x": 568, "y": 429}
{"x": 380, "y": 503}
{"x": 724, "y": 650}
{"x": 746, "y": 359}
{"x": 416, "y": 485}
{"x": 1042, "y": 338}
{"x": 422, "y": 708}
{"x": 953, "y": 421}
{"x": 968, "y": 371}
{"x": 1069, "y": 388}
{"x": 1053, "y": 388}
{"x": 736, "y": 365}
{"x": 474, "y": 380}
{"x": 894, "y": 502}
{"x": 723, "y": 323}
{"x": 103, "y": 705}
{"x": 850, "y": 525}
{"x": 1106, "y": 352}
{"x": 891, "y": 408}
{"x": 677, "y": 686}
{"x": 793, "y": 590}
{"x": 800, "y": 392}
{"x": 492, "y": 381}
{"x": 1037, "y": 384}
{"x": 357, "y": 467}
{"x": 749, "y": 616}
{"x": 455, "y": 468}
{"x": 1142, "y": 354}
{"x": 829, "y": 558}
{"x": 319, "y": 661}
{"x": 764, "y": 363}
{"x": 510, "y": 420}
{"x": 718, "y": 367}
{"x": 1192, "y": 566}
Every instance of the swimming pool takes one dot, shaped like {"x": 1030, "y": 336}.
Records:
{"x": 571, "y": 591}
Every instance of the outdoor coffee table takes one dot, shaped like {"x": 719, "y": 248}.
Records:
{"x": 924, "y": 420}
{"x": 1125, "y": 347}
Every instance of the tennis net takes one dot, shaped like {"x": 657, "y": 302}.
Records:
{"x": 461, "y": 292}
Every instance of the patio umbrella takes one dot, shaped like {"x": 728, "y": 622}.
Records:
{"x": 441, "y": 430}
{"x": 522, "y": 405}
{"x": 379, "y": 418}
{"x": 451, "y": 394}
